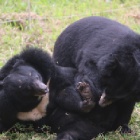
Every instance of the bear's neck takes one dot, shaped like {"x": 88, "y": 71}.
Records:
{"x": 25, "y": 104}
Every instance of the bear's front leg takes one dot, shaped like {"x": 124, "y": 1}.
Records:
{"x": 87, "y": 97}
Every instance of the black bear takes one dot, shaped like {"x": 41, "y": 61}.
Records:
{"x": 105, "y": 54}
{"x": 23, "y": 87}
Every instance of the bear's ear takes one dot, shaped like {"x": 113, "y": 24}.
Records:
{"x": 109, "y": 63}
{"x": 18, "y": 63}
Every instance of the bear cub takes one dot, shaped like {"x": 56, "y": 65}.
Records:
{"x": 23, "y": 89}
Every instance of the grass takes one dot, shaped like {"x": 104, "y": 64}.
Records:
{"x": 39, "y": 24}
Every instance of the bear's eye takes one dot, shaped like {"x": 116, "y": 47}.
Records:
{"x": 90, "y": 64}
{"x": 37, "y": 77}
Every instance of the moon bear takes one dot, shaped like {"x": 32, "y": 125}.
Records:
{"x": 23, "y": 89}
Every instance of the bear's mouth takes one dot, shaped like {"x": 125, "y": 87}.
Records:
{"x": 42, "y": 92}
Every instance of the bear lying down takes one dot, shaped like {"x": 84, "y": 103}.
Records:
{"x": 23, "y": 90}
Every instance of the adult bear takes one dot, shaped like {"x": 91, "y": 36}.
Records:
{"x": 106, "y": 56}
{"x": 23, "y": 87}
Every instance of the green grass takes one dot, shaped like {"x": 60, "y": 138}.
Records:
{"x": 47, "y": 20}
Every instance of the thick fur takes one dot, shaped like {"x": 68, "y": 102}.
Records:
{"x": 23, "y": 87}
{"x": 106, "y": 56}
{"x": 64, "y": 92}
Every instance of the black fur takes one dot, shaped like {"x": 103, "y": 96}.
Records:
{"x": 23, "y": 79}
{"x": 64, "y": 92}
{"x": 106, "y": 56}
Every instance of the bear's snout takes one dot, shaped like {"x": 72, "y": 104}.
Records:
{"x": 40, "y": 88}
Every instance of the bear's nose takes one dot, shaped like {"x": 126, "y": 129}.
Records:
{"x": 44, "y": 88}
{"x": 40, "y": 87}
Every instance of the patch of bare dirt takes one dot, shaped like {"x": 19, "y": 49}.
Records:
{"x": 135, "y": 15}
{"x": 19, "y": 19}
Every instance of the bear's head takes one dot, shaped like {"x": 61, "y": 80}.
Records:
{"x": 119, "y": 77}
{"x": 24, "y": 85}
